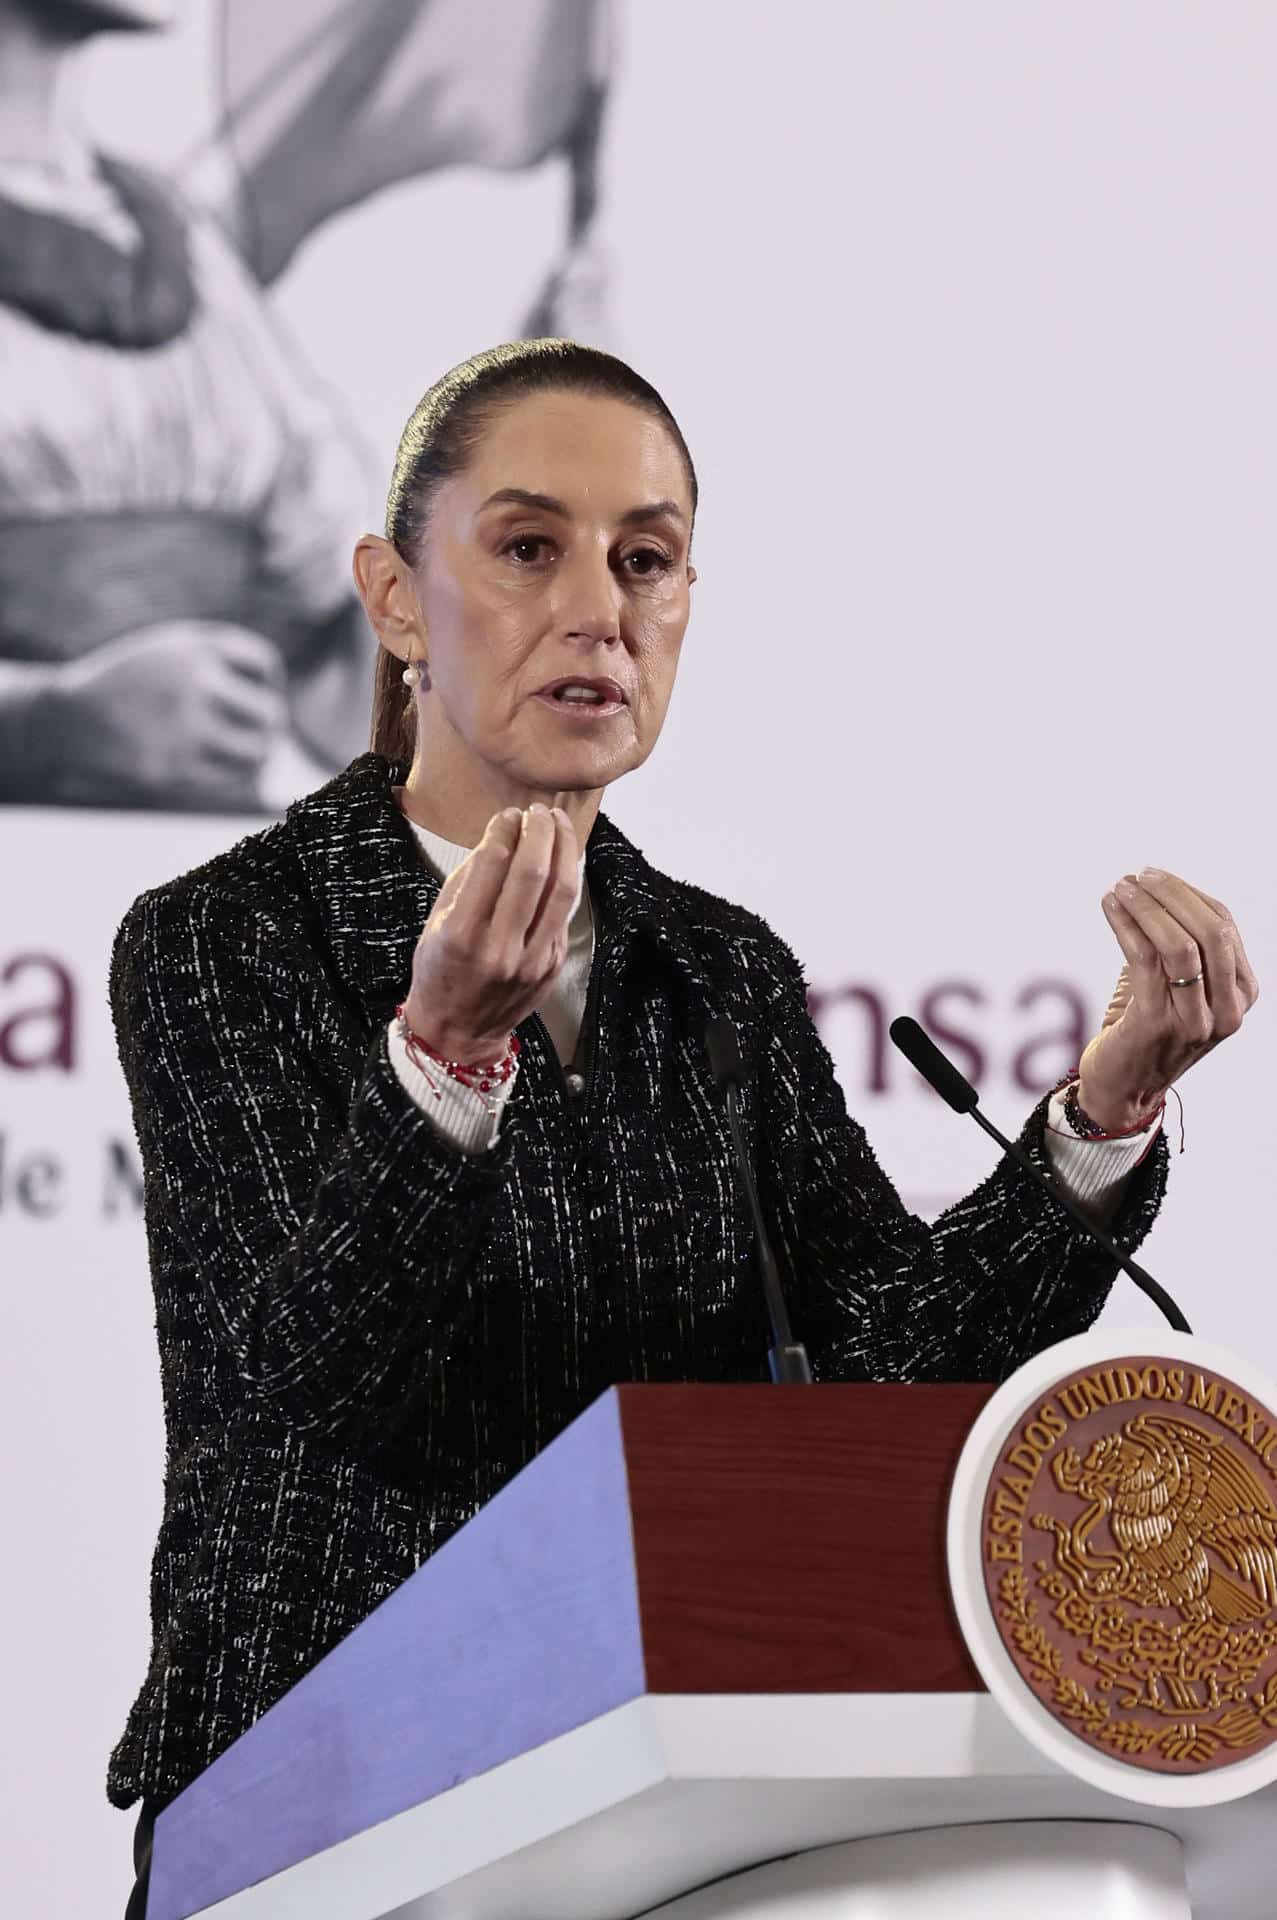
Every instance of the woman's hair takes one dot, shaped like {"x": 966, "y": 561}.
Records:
{"x": 447, "y": 425}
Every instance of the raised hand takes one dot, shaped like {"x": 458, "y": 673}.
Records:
{"x": 497, "y": 936}
{"x": 1186, "y": 985}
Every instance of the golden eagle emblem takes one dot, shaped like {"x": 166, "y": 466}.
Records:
{"x": 1179, "y": 1502}
{"x": 1130, "y": 1561}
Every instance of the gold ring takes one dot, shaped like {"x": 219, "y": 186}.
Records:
{"x": 1190, "y": 982}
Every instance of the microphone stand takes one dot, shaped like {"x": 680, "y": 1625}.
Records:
{"x": 939, "y": 1072}
{"x": 786, "y": 1356}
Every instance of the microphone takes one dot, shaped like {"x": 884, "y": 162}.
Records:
{"x": 786, "y": 1357}
{"x": 921, "y": 1051}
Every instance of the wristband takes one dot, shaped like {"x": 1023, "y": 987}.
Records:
{"x": 1086, "y": 1128}
{"x": 478, "y": 1075}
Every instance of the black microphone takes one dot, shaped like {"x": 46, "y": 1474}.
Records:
{"x": 921, "y": 1051}
{"x": 787, "y": 1357}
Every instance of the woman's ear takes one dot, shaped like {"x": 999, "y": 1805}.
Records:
{"x": 384, "y": 583}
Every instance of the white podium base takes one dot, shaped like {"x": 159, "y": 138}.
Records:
{"x": 1046, "y": 1869}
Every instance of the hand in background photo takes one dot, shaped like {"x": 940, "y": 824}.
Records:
{"x": 179, "y": 713}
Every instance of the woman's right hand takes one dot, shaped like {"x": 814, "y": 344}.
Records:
{"x": 497, "y": 936}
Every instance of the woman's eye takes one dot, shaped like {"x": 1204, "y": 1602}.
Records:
{"x": 643, "y": 563}
{"x": 652, "y": 561}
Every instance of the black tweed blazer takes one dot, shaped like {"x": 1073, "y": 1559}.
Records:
{"x": 324, "y": 1262}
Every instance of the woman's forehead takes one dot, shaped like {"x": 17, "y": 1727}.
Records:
{"x": 577, "y": 448}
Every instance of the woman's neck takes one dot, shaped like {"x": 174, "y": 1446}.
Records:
{"x": 458, "y": 808}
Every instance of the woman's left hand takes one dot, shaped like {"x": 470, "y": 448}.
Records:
{"x": 1154, "y": 1031}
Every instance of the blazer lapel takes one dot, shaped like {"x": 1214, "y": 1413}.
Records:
{"x": 364, "y": 870}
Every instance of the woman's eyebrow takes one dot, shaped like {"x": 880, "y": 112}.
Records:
{"x": 521, "y": 497}
{"x": 658, "y": 510}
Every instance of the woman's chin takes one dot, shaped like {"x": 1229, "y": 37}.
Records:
{"x": 576, "y": 771}
{"x": 587, "y": 757}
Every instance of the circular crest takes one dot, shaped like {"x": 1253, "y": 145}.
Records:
{"x": 1113, "y": 1561}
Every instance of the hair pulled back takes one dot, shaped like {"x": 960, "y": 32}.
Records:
{"x": 446, "y": 427}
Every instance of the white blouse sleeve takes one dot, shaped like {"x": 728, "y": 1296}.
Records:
{"x": 1093, "y": 1172}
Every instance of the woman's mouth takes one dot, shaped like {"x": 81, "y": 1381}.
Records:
{"x": 581, "y": 704}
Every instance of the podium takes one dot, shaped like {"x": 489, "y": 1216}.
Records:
{"x": 697, "y": 1658}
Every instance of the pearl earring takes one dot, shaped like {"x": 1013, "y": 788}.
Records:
{"x": 411, "y": 675}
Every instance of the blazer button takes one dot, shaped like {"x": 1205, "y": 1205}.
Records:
{"x": 576, "y": 1083}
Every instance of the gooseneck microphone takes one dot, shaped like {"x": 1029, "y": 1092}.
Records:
{"x": 787, "y": 1357}
{"x": 939, "y": 1072}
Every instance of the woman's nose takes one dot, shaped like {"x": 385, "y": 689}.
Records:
{"x": 592, "y": 599}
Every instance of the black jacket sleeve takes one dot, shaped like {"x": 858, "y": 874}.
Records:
{"x": 332, "y": 1231}
{"x": 880, "y": 1294}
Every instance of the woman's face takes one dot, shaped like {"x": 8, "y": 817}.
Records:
{"x": 560, "y": 551}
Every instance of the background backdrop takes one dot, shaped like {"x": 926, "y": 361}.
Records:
{"x": 968, "y": 314}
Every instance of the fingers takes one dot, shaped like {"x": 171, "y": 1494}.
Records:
{"x": 227, "y": 753}
{"x": 1175, "y": 940}
{"x": 1247, "y": 983}
{"x": 1156, "y": 948}
{"x": 246, "y": 653}
{"x": 496, "y": 936}
{"x": 1188, "y": 936}
{"x": 531, "y": 914}
{"x": 245, "y": 706}
{"x": 548, "y": 932}
{"x": 1213, "y": 934}
{"x": 1168, "y": 952}
{"x": 231, "y": 719}
{"x": 1144, "y": 969}
{"x": 509, "y": 900}
{"x": 523, "y": 884}
{"x": 469, "y": 896}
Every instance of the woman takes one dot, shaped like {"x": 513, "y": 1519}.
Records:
{"x": 341, "y": 1212}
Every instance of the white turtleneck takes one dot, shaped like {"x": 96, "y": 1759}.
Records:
{"x": 1092, "y": 1171}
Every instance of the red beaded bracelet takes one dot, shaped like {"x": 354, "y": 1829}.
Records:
{"x": 478, "y": 1075}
